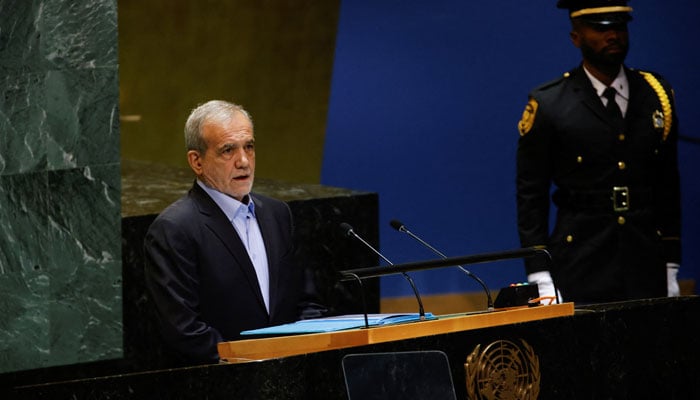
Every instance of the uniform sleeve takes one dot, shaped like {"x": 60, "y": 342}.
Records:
{"x": 173, "y": 283}
{"x": 533, "y": 182}
{"x": 667, "y": 198}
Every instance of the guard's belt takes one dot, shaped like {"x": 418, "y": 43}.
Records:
{"x": 617, "y": 199}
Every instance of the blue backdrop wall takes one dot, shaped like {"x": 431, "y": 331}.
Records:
{"x": 425, "y": 100}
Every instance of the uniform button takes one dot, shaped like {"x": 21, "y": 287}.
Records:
{"x": 569, "y": 239}
{"x": 579, "y": 159}
{"x": 621, "y": 137}
{"x": 621, "y": 165}
{"x": 621, "y": 220}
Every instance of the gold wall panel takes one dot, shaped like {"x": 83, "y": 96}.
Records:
{"x": 273, "y": 57}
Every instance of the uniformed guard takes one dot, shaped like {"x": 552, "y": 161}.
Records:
{"x": 602, "y": 140}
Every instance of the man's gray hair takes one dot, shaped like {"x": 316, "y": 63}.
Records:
{"x": 212, "y": 111}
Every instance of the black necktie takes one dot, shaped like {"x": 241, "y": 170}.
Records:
{"x": 612, "y": 106}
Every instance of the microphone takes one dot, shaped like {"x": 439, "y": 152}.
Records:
{"x": 349, "y": 232}
{"x": 399, "y": 226}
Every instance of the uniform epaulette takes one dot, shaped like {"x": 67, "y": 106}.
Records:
{"x": 662, "y": 119}
{"x": 528, "y": 119}
{"x": 553, "y": 82}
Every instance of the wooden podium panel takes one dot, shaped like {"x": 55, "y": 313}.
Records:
{"x": 275, "y": 347}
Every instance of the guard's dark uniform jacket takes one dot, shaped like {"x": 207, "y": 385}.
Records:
{"x": 616, "y": 187}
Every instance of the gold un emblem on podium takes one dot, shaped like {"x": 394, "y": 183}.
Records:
{"x": 504, "y": 370}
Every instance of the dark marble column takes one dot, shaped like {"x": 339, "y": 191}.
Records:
{"x": 60, "y": 258}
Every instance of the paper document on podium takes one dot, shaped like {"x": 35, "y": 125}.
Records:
{"x": 339, "y": 323}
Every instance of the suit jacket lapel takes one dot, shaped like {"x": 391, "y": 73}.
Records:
{"x": 267, "y": 226}
{"x": 218, "y": 223}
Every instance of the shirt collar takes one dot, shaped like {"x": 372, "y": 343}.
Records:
{"x": 230, "y": 206}
{"x": 620, "y": 84}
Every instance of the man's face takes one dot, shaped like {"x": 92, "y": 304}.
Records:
{"x": 228, "y": 164}
{"x": 602, "y": 45}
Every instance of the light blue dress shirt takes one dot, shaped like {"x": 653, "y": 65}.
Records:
{"x": 243, "y": 218}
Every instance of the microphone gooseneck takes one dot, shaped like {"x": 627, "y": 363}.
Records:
{"x": 347, "y": 229}
{"x": 399, "y": 226}
{"x": 349, "y": 232}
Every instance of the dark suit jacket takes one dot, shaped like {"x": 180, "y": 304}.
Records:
{"x": 202, "y": 281}
{"x": 600, "y": 254}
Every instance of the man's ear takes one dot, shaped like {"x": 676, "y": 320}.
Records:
{"x": 575, "y": 38}
{"x": 195, "y": 161}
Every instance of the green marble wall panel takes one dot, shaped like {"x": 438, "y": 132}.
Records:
{"x": 82, "y": 117}
{"x": 22, "y": 124}
{"x": 59, "y": 119}
{"x": 84, "y": 264}
{"x": 78, "y": 34}
{"x": 40, "y": 35}
{"x": 24, "y": 282}
{"x": 19, "y": 36}
{"x": 60, "y": 212}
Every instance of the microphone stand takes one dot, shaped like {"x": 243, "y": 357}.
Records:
{"x": 402, "y": 228}
{"x": 347, "y": 229}
{"x": 362, "y": 296}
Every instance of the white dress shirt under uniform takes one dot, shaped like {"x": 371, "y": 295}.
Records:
{"x": 621, "y": 86}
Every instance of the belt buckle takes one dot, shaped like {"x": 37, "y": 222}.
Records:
{"x": 621, "y": 198}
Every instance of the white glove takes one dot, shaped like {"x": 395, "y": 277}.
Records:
{"x": 545, "y": 285}
{"x": 672, "y": 279}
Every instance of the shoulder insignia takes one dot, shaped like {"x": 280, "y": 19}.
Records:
{"x": 662, "y": 119}
{"x": 528, "y": 118}
{"x": 553, "y": 82}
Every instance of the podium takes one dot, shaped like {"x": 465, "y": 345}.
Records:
{"x": 276, "y": 347}
{"x": 637, "y": 349}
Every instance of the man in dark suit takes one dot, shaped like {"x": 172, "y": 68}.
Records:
{"x": 220, "y": 259}
{"x": 605, "y": 136}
